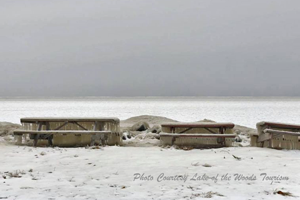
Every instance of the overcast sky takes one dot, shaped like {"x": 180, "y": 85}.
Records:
{"x": 138, "y": 48}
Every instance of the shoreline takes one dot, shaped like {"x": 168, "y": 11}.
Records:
{"x": 199, "y": 98}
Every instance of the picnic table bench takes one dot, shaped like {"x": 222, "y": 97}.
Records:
{"x": 70, "y": 131}
{"x": 198, "y": 135}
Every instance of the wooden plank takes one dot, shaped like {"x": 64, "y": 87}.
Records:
{"x": 184, "y": 131}
{"x": 198, "y": 135}
{"x": 64, "y": 124}
{"x": 51, "y": 132}
{"x": 272, "y": 131}
{"x": 210, "y": 130}
{"x": 199, "y": 125}
{"x": 77, "y": 119}
{"x": 198, "y": 142}
{"x": 83, "y": 128}
{"x": 18, "y": 133}
{"x": 279, "y": 125}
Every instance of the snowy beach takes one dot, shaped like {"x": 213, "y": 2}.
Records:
{"x": 112, "y": 173}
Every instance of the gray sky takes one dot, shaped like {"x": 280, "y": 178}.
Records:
{"x": 138, "y": 48}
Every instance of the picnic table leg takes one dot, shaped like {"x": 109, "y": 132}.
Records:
{"x": 92, "y": 141}
{"x": 50, "y": 137}
{"x": 103, "y": 142}
{"x": 35, "y": 140}
{"x": 36, "y": 136}
{"x": 94, "y": 137}
{"x": 173, "y": 140}
{"x": 104, "y": 139}
{"x": 50, "y": 143}
{"x": 221, "y": 141}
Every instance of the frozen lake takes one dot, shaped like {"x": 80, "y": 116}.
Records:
{"x": 242, "y": 111}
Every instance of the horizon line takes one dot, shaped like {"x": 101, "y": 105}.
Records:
{"x": 133, "y": 97}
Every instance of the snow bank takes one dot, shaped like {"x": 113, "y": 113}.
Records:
{"x": 7, "y": 128}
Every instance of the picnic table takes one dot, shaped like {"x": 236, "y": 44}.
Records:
{"x": 276, "y": 135}
{"x": 200, "y": 134}
{"x": 70, "y": 131}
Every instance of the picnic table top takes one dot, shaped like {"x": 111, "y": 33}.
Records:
{"x": 17, "y": 132}
{"x": 279, "y": 125}
{"x": 196, "y": 135}
{"x": 199, "y": 125}
{"x": 64, "y": 119}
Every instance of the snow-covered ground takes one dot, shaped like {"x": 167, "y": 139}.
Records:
{"x": 113, "y": 173}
